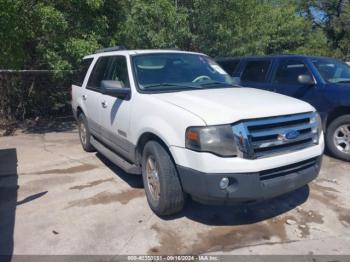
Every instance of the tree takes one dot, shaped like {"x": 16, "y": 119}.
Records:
{"x": 154, "y": 24}
{"x": 333, "y": 18}
{"x": 56, "y": 34}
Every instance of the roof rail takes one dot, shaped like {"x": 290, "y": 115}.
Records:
{"x": 171, "y": 48}
{"x": 110, "y": 49}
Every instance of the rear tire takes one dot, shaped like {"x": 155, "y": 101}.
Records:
{"x": 338, "y": 137}
{"x": 84, "y": 133}
{"x": 161, "y": 181}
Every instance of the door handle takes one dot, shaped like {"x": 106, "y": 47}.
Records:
{"x": 84, "y": 97}
{"x": 104, "y": 104}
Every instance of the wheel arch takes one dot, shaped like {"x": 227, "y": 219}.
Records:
{"x": 142, "y": 141}
{"x": 79, "y": 111}
{"x": 150, "y": 136}
{"x": 337, "y": 112}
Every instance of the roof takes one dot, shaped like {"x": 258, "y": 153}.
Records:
{"x": 267, "y": 56}
{"x": 140, "y": 51}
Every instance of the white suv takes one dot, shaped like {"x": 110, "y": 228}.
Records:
{"x": 176, "y": 118}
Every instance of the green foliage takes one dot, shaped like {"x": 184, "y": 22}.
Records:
{"x": 241, "y": 28}
{"x": 56, "y": 34}
{"x": 333, "y": 18}
{"x": 154, "y": 24}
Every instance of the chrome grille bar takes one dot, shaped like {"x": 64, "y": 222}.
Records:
{"x": 275, "y": 142}
{"x": 275, "y": 131}
{"x": 278, "y": 119}
{"x": 269, "y": 136}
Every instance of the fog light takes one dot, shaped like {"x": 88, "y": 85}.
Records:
{"x": 224, "y": 183}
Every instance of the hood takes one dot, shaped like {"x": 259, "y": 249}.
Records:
{"x": 229, "y": 105}
{"x": 339, "y": 86}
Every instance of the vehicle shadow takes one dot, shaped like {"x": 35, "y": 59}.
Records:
{"x": 115, "y": 108}
{"x": 237, "y": 214}
{"x": 8, "y": 201}
{"x": 244, "y": 213}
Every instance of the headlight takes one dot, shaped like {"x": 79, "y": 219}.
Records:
{"x": 213, "y": 139}
{"x": 316, "y": 129}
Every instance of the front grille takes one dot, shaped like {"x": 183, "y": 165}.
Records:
{"x": 269, "y": 136}
{"x": 286, "y": 170}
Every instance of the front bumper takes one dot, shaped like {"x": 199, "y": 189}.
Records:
{"x": 244, "y": 187}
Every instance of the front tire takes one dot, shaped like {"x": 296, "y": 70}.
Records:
{"x": 161, "y": 181}
{"x": 338, "y": 137}
{"x": 84, "y": 133}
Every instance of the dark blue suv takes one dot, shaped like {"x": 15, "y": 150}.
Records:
{"x": 321, "y": 81}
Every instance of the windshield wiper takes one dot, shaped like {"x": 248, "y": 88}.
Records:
{"x": 158, "y": 86}
{"x": 213, "y": 83}
{"x": 343, "y": 81}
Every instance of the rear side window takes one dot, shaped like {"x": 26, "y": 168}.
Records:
{"x": 79, "y": 74}
{"x": 229, "y": 66}
{"x": 288, "y": 71}
{"x": 256, "y": 71}
{"x": 98, "y": 73}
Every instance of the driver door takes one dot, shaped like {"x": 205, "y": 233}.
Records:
{"x": 285, "y": 81}
{"x": 115, "y": 112}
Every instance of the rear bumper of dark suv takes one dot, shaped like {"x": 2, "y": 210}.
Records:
{"x": 245, "y": 187}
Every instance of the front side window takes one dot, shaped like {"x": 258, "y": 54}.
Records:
{"x": 178, "y": 71}
{"x": 109, "y": 68}
{"x": 288, "y": 71}
{"x": 332, "y": 70}
{"x": 256, "y": 71}
{"x": 118, "y": 71}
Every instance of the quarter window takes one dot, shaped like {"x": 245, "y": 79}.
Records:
{"x": 79, "y": 74}
{"x": 256, "y": 71}
{"x": 98, "y": 73}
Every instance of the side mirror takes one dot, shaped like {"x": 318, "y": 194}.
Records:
{"x": 115, "y": 89}
{"x": 306, "y": 80}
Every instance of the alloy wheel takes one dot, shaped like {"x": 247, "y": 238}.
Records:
{"x": 341, "y": 138}
{"x": 152, "y": 176}
{"x": 82, "y": 132}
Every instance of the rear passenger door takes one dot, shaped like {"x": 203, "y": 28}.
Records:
{"x": 92, "y": 96}
{"x": 255, "y": 74}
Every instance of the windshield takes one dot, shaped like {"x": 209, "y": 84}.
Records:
{"x": 178, "y": 71}
{"x": 332, "y": 70}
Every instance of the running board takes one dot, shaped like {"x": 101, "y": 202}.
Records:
{"x": 116, "y": 159}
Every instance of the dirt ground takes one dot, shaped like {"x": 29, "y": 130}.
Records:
{"x": 57, "y": 199}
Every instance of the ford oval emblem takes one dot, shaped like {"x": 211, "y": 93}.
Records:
{"x": 292, "y": 134}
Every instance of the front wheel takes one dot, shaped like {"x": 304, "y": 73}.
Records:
{"x": 161, "y": 181}
{"x": 338, "y": 137}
